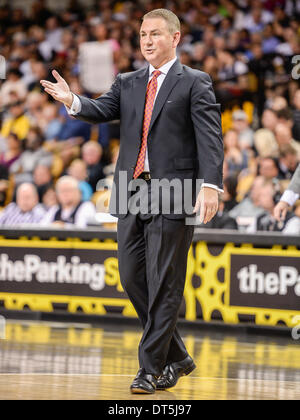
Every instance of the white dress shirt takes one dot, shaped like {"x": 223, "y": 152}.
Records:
{"x": 289, "y": 197}
{"x": 76, "y": 107}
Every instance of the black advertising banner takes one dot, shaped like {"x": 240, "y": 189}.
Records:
{"x": 262, "y": 281}
{"x": 60, "y": 271}
{"x": 223, "y": 281}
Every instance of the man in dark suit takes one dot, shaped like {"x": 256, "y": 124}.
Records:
{"x": 170, "y": 130}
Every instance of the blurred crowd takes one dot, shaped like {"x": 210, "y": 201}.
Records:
{"x": 50, "y": 163}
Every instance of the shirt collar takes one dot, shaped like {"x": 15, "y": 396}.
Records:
{"x": 163, "y": 69}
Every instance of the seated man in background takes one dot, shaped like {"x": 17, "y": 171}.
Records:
{"x": 71, "y": 210}
{"x": 249, "y": 207}
{"x": 26, "y": 209}
{"x": 266, "y": 221}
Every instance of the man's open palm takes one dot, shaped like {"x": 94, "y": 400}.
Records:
{"x": 60, "y": 90}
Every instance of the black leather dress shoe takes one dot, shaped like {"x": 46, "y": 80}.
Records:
{"x": 144, "y": 383}
{"x": 174, "y": 371}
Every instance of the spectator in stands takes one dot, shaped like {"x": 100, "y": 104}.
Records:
{"x": 266, "y": 221}
{"x": 285, "y": 116}
{"x": 42, "y": 179}
{"x": 71, "y": 210}
{"x": 78, "y": 170}
{"x": 39, "y": 72}
{"x": 279, "y": 103}
{"x": 54, "y": 33}
{"x": 288, "y": 162}
{"x": 16, "y": 122}
{"x": 13, "y": 150}
{"x": 270, "y": 41}
{"x": 109, "y": 169}
{"x": 283, "y": 134}
{"x": 13, "y": 83}
{"x": 236, "y": 158}
{"x": 230, "y": 193}
{"x": 268, "y": 168}
{"x": 264, "y": 138}
{"x": 33, "y": 155}
{"x": 249, "y": 207}
{"x": 50, "y": 122}
{"x": 49, "y": 198}
{"x": 241, "y": 125}
{"x": 257, "y": 18}
{"x": 26, "y": 209}
{"x": 35, "y": 103}
{"x": 92, "y": 155}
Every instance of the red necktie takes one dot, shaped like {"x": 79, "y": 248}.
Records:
{"x": 150, "y": 96}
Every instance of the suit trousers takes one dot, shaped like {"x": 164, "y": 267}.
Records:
{"x": 152, "y": 254}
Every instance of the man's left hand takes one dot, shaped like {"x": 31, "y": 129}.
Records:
{"x": 208, "y": 204}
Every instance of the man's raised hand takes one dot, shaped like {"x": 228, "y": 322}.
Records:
{"x": 60, "y": 90}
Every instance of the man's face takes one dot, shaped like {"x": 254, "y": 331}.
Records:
{"x": 91, "y": 156}
{"x": 283, "y": 134}
{"x": 256, "y": 190}
{"x": 291, "y": 161}
{"x": 269, "y": 119}
{"x": 26, "y": 199}
{"x": 297, "y": 99}
{"x": 158, "y": 45}
{"x": 68, "y": 195}
{"x": 266, "y": 198}
{"x": 268, "y": 169}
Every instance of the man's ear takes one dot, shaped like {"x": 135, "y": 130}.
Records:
{"x": 176, "y": 38}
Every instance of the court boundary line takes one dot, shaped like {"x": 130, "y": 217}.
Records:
{"x": 95, "y": 375}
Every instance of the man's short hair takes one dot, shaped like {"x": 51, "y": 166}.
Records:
{"x": 67, "y": 179}
{"x": 285, "y": 114}
{"x": 27, "y": 186}
{"x": 287, "y": 149}
{"x": 170, "y": 17}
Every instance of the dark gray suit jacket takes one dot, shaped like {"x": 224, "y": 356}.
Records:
{"x": 185, "y": 135}
{"x": 295, "y": 181}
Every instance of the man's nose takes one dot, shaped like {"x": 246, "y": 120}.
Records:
{"x": 149, "y": 41}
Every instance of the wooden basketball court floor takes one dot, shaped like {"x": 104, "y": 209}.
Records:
{"x": 74, "y": 362}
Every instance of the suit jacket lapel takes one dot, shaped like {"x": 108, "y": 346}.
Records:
{"x": 170, "y": 81}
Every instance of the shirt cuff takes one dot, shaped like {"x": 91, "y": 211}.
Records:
{"x": 212, "y": 186}
{"x": 75, "y": 107}
{"x": 289, "y": 197}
